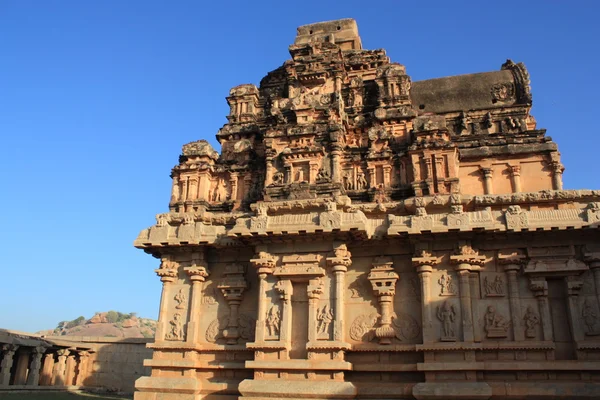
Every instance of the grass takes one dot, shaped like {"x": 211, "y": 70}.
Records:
{"x": 57, "y": 396}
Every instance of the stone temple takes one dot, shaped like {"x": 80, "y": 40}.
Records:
{"x": 364, "y": 236}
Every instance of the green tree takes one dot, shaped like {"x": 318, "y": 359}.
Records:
{"x": 112, "y": 316}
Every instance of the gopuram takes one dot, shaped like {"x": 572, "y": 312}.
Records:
{"x": 363, "y": 236}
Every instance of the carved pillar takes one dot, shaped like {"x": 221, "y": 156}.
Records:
{"x": 193, "y": 189}
{"x": 314, "y": 289}
{"x": 204, "y": 184}
{"x": 313, "y": 170}
{"x": 285, "y": 289}
{"x": 515, "y": 174}
{"x": 7, "y": 363}
{"x": 233, "y": 286}
{"x": 424, "y": 265}
{"x": 593, "y": 262}
{"x": 512, "y": 265}
{"x": 82, "y": 368}
{"x": 198, "y": 273}
{"x": 467, "y": 261}
{"x": 167, "y": 273}
{"x": 233, "y": 183}
{"x": 488, "y": 187}
{"x": 33, "y": 378}
{"x": 58, "y": 373}
{"x": 289, "y": 177}
{"x": 70, "y": 369}
{"x": 47, "y": 367}
{"x": 539, "y": 287}
{"x": 574, "y": 284}
{"x": 269, "y": 171}
{"x": 557, "y": 171}
{"x": 184, "y": 188}
{"x": 175, "y": 190}
{"x": 339, "y": 265}
{"x": 372, "y": 180}
{"x": 264, "y": 265}
{"x": 335, "y": 163}
{"x": 387, "y": 169}
{"x": 383, "y": 279}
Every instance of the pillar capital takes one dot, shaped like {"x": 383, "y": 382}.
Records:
{"x": 167, "y": 270}
{"x": 574, "y": 285}
{"x": 514, "y": 170}
{"x": 512, "y": 262}
{"x": 197, "y": 273}
{"x": 538, "y": 286}
{"x": 467, "y": 259}
{"x": 264, "y": 263}
{"x": 10, "y": 348}
{"x": 425, "y": 261}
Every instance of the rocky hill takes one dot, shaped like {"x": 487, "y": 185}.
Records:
{"x": 106, "y": 324}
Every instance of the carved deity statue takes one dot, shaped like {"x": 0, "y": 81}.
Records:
{"x": 495, "y": 324}
{"x": 447, "y": 285}
{"x": 447, "y": 315}
{"x": 300, "y": 175}
{"x": 590, "y": 317}
{"x": 273, "y": 321}
{"x": 347, "y": 179}
{"x": 324, "y": 318}
{"x": 278, "y": 178}
{"x": 176, "y": 332}
{"x": 361, "y": 181}
{"x": 496, "y": 287}
{"x": 531, "y": 321}
{"x": 180, "y": 298}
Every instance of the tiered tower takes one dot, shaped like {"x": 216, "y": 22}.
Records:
{"x": 365, "y": 236}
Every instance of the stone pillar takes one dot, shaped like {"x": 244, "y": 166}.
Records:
{"x": 574, "y": 285}
{"x": 70, "y": 369}
{"x": 339, "y": 266}
{"x": 288, "y": 177}
{"x": 233, "y": 287}
{"x": 269, "y": 172}
{"x": 175, "y": 190}
{"x": 285, "y": 289}
{"x": 184, "y": 188}
{"x": 488, "y": 187}
{"x": 475, "y": 294}
{"x": 47, "y": 367}
{"x": 557, "y": 171}
{"x": 33, "y": 378}
{"x": 467, "y": 261}
{"x": 22, "y": 366}
{"x": 424, "y": 265}
{"x": 167, "y": 273}
{"x": 314, "y": 289}
{"x": 512, "y": 265}
{"x": 233, "y": 183}
{"x": 372, "y": 180}
{"x": 193, "y": 190}
{"x": 539, "y": 287}
{"x": 264, "y": 265}
{"x": 593, "y": 262}
{"x": 82, "y": 369}
{"x": 515, "y": 174}
{"x": 198, "y": 273}
{"x": 387, "y": 169}
{"x": 383, "y": 279}
{"x": 58, "y": 373}
{"x": 7, "y": 363}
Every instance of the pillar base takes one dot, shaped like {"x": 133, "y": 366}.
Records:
{"x": 452, "y": 390}
{"x": 295, "y": 390}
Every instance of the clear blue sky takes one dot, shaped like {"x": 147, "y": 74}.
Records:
{"x": 97, "y": 97}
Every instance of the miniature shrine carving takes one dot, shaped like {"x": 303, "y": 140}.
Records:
{"x": 363, "y": 235}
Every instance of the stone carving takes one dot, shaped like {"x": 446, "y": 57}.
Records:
{"x": 181, "y": 299}
{"x": 273, "y": 322}
{"x": 495, "y": 325}
{"x": 217, "y": 330}
{"x": 516, "y": 218}
{"x": 493, "y": 288}
{"x": 361, "y": 181}
{"x": 176, "y": 330}
{"x": 405, "y": 326}
{"x": 447, "y": 286}
{"x": 209, "y": 295}
{"x": 447, "y": 315}
{"x": 593, "y": 212}
{"x": 590, "y": 318}
{"x": 531, "y": 320}
{"x": 324, "y": 319}
{"x": 503, "y": 91}
{"x": 362, "y": 328}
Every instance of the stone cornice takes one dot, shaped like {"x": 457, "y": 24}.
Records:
{"x": 324, "y": 216}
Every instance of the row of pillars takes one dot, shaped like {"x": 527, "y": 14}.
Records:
{"x": 515, "y": 176}
{"x": 37, "y": 366}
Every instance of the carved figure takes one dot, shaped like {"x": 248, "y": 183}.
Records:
{"x": 361, "y": 181}
{"x": 180, "y": 298}
{"x": 300, "y": 175}
{"x": 324, "y": 318}
{"x": 447, "y": 315}
{"x": 176, "y": 332}
{"x": 494, "y": 288}
{"x": 347, "y": 178}
{"x": 531, "y": 320}
{"x": 273, "y": 321}
{"x": 448, "y": 288}
{"x": 219, "y": 192}
{"x": 362, "y": 328}
{"x": 323, "y": 175}
{"x": 278, "y": 178}
{"x": 590, "y": 318}
{"x": 495, "y": 324}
